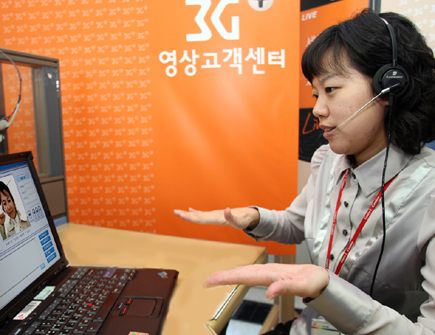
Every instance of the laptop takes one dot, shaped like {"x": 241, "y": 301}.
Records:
{"x": 41, "y": 294}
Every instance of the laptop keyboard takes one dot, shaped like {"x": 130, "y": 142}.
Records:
{"x": 82, "y": 303}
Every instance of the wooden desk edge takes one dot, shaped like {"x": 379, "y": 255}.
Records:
{"x": 219, "y": 321}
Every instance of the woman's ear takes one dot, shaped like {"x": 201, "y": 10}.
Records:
{"x": 383, "y": 101}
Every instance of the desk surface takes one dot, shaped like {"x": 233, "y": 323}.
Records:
{"x": 193, "y": 309}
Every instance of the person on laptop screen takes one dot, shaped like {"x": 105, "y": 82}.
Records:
{"x": 16, "y": 222}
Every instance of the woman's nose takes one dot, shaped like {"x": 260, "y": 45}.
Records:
{"x": 320, "y": 109}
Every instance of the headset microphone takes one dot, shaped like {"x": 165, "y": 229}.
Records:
{"x": 384, "y": 91}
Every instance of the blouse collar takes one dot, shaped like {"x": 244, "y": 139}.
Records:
{"x": 369, "y": 174}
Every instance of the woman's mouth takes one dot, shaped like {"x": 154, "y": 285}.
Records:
{"x": 329, "y": 131}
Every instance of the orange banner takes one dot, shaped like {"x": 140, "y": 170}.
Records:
{"x": 224, "y": 98}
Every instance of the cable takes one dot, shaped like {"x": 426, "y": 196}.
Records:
{"x": 384, "y": 227}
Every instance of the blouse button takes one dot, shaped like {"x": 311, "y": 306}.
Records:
{"x": 331, "y": 257}
{"x": 346, "y": 204}
{"x": 344, "y": 232}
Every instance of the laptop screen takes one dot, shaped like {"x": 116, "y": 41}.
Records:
{"x": 27, "y": 246}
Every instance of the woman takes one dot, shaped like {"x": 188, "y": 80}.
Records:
{"x": 16, "y": 223}
{"x": 362, "y": 280}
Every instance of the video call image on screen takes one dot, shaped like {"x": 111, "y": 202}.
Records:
{"x": 27, "y": 247}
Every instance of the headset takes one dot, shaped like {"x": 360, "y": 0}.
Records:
{"x": 391, "y": 75}
{"x": 394, "y": 78}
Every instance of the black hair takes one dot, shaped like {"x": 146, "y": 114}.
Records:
{"x": 364, "y": 43}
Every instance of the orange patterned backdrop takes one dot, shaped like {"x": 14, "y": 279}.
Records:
{"x": 168, "y": 104}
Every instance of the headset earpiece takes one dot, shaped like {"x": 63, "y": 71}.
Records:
{"x": 388, "y": 76}
{"x": 391, "y": 74}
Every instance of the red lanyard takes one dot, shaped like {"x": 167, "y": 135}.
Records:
{"x": 360, "y": 227}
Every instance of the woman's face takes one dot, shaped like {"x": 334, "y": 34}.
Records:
{"x": 339, "y": 96}
{"x": 8, "y": 204}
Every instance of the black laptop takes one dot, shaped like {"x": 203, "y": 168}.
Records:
{"x": 41, "y": 294}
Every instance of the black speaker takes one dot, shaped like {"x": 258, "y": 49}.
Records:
{"x": 392, "y": 74}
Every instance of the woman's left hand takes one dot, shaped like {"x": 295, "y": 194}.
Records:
{"x": 303, "y": 280}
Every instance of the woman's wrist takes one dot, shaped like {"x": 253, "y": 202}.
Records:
{"x": 322, "y": 288}
{"x": 253, "y": 218}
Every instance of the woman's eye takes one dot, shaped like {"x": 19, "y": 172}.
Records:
{"x": 329, "y": 89}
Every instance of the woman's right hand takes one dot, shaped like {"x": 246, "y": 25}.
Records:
{"x": 239, "y": 218}
{"x": 2, "y": 219}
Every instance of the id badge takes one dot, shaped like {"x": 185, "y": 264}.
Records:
{"x": 323, "y": 327}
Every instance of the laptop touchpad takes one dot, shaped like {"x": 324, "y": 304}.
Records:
{"x": 150, "y": 307}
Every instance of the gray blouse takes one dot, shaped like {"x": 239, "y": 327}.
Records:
{"x": 404, "y": 291}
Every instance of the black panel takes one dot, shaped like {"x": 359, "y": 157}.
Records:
{"x": 309, "y": 4}
{"x": 310, "y": 136}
